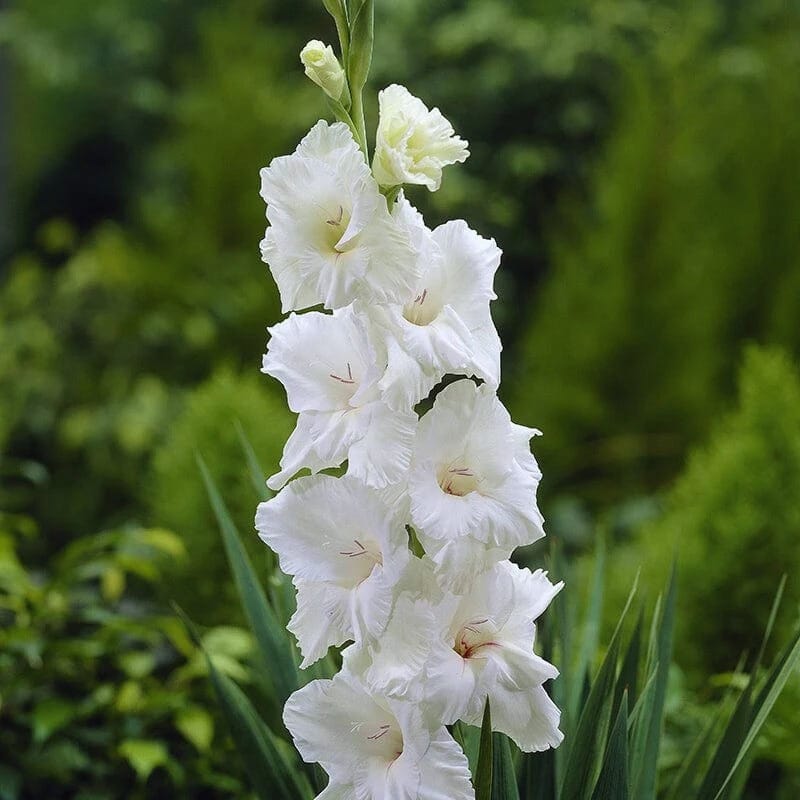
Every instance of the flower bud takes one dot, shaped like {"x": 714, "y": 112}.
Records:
{"x": 322, "y": 66}
{"x": 413, "y": 144}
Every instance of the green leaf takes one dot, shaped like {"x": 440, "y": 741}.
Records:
{"x": 690, "y": 771}
{"x": 504, "y": 780}
{"x": 613, "y": 781}
{"x": 483, "y": 774}
{"x": 469, "y": 737}
{"x": 253, "y": 466}
{"x": 338, "y": 10}
{"x": 645, "y": 783}
{"x": 628, "y": 679}
{"x": 538, "y": 778}
{"x": 272, "y": 639}
{"x": 197, "y": 725}
{"x": 144, "y": 755}
{"x": 272, "y": 775}
{"x": 362, "y": 35}
{"x": 584, "y": 760}
{"x": 50, "y": 716}
{"x": 770, "y": 691}
{"x": 273, "y": 778}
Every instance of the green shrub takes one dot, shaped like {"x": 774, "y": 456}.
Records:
{"x": 208, "y": 426}
{"x": 687, "y": 246}
{"x": 733, "y": 522}
{"x": 103, "y": 695}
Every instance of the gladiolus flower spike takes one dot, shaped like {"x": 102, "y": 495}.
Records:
{"x": 428, "y": 640}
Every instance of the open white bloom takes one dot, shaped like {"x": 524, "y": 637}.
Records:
{"x": 322, "y": 67}
{"x": 475, "y": 645}
{"x": 472, "y": 482}
{"x": 372, "y": 747}
{"x": 345, "y": 550}
{"x": 331, "y": 237}
{"x": 485, "y": 650}
{"x": 330, "y": 370}
{"x": 413, "y": 144}
{"x": 446, "y": 327}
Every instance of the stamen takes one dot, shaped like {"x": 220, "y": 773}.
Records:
{"x": 354, "y": 553}
{"x": 348, "y": 379}
{"x": 338, "y": 221}
{"x": 420, "y": 298}
{"x": 382, "y": 731}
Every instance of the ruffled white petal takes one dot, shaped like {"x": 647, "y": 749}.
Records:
{"x": 472, "y": 478}
{"x": 331, "y": 237}
{"x": 345, "y": 549}
{"x": 413, "y": 144}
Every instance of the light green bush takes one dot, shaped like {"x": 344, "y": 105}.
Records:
{"x": 207, "y": 426}
{"x": 733, "y": 523}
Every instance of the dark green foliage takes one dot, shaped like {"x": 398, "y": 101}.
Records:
{"x": 688, "y": 245}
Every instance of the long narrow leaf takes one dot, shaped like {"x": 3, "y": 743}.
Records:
{"x": 769, "y": 693}
{"x": 645, "y": 787}
{"x": 253, "y": 467}
{"x": 613, "y": 781}
{"x": 504, "y": 779}
{"x": 589, "y": 739}
{"x": 272, "y": 639}
{"x": 273, "y": 777}
{"x": 483, "y": 774}
{"x": 588, "y": 742}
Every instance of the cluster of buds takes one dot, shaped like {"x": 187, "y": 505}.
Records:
{"x": 398, "y": 541}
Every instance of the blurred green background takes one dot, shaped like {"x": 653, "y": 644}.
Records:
{"x": 639, "y": 163}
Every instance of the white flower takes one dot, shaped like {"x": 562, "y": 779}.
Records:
{"x": 322, "y": 67}
{"x": 374, "y": 748}
{"x": 412, "y": 143}
{"x": 344, "y": 549}
{"x": 472, "y": 482}
{"x": 329, "y": 368}
{"x": 446, "y": 326}
{"x": 477, "y": 645}
{"x": 331, "y": 238}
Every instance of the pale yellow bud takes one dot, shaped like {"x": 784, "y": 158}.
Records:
{"x": 322, "y": 66}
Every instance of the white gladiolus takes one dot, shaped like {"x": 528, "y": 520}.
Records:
{"x": 472, "y": 482}
{"x": 331, "y": 238}
{"x": 322, "y": 67}
{"x": 345, "y": 550}
{"x": 446, "y": 327}
{"x": 413, "y": 144}
{"x": 431, "y": 636}
{"x": 373, "y": 747}
{"x": 328, "y": 366}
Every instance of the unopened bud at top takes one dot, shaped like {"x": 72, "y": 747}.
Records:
{"x": 322, "y": 66}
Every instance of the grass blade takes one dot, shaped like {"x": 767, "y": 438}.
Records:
{"x": 273, "y": 640}
{"x": 613, "y": 781}
{"x": 645, "y": 786}
{"x": 273, "y": 777}
{"x": 504, "y": 779}
{"x": 483, "y": 774}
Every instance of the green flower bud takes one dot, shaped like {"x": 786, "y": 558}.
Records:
{"x": 322, "y": 66}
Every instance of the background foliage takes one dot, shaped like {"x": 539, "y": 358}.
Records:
{"x": 637, "y": 161}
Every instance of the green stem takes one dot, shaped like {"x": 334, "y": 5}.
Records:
{"x": 357, "y": 115}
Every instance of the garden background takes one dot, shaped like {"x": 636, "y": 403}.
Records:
{"x": 639, "y": 164}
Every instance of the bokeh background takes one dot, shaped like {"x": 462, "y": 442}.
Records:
{"x": 639, "y": 163}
